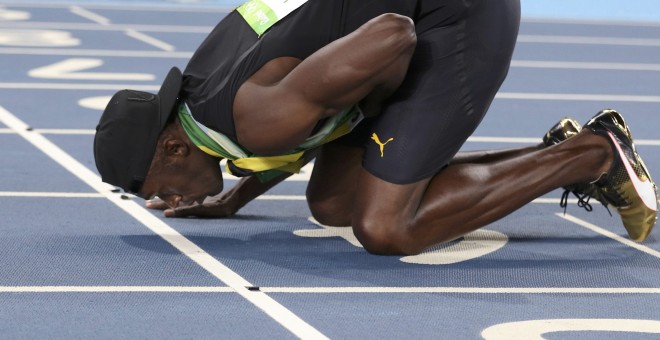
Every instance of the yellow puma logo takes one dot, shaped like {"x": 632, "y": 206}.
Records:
{"x": 381, "y": 145}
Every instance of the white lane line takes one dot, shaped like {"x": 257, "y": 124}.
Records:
{"x": 113, "y": 289}
{"x": 272, "y": 308}
{"x": 79, "y": 69}
{"x": 66, "y": 131}
{"x": 95, "y": 53}
{"x": 130, "y": 6}
{"x": 463, "y": 290}
{"x": 50, "y": 194}
{"x": 610, "y": 234}
{"x": 89, "y": 15}
{"x": 521, "y": 140}
{"x": 592, "y": 22}
{"x": 80, "y": 87}
{"x": 578, "y": 97}
{"x": 331, "y": 290}
{"x": 533, "y": 140}
{"x": 302, "y": 198}
{"x": 150, "y": 40}
{"x": 500, "y": 95}
{"x": 585, "y": 65}
{"x": 473, "y": 139}
{"x": 38, "y": 194}
{"x": 586, "y": 40}
{"x": 110, "y": 27}
{"x": 282, "y": 198}
{"x": 543, "y": 64}
{"x": 54, "y": 131}
{"x": 523, "y": 38}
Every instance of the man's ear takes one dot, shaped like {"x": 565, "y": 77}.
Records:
{"x": 175, "y": 147}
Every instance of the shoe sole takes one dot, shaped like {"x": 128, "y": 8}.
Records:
{"x": 640, "y": 216}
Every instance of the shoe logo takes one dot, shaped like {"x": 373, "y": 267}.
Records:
{"x": 645, "y": 189}
{"x": 381, "y": 145}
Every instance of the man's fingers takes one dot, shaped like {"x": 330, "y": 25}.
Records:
{"x": 193, "y": 210}
{"x": 156, "y": 203}
{"x": 212, "y": 210}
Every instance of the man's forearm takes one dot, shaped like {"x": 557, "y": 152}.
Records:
{"x": 249, "y": 188}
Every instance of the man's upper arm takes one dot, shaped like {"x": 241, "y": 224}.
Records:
{"x": 278, "y": 107}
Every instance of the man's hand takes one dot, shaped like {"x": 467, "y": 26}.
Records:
{"x": 223, "y": 204}
{"x": 213, "y": 207}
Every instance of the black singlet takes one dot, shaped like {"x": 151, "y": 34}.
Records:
{"x": 462, "y": 56}
{"x": 233, "y": 52}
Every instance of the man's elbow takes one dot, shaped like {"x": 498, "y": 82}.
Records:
{"x": 399, "y": 30}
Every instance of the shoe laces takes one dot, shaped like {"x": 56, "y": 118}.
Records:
{"x": 583, "y": 201}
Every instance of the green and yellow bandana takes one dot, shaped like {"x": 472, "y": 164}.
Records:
{"x": 240, "y": 162}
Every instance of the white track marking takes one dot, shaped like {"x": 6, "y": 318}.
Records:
{"x": 54, "y": 131}
{"x": 27, "y": 38}
{"x": 473, "y": 139}
{"x": 586, "y": 40}
{"x": 594, "y": 22}
{"x": 71, "y": 68}
{"x": 521, "y": 140}
{"x": 272, "y": 308}
{"x": 578, "y": 97}
{"x": 610, "y": 234}
{"x": 328, "y": 231}
{"x": 66, "y": 131}
{"x": 532, "y": 140}
{"x": 123, "y": 6}
{"x": 282, "y": 197}
{"x": 501, "y": 95}
{"x": 310, "y": 233}
{"x": 150, "y": 40}
{"x": 112, "y": 27}
{"x": 113, "y": 289}
{"x": 98, "y": 195}
{"x": 585, "y": 65}
{"x": 50, "y": 194}
{"x": 89, "y": 15}
{"x": 95, "y": 103}
{"x": 472, "y": 245}
{"x": 79, "y": 87}
{"x": 95, "y": 53}
{"x": 304, "y": 233}
{"x": 535, "y": 329}
{"x": 13, "y": 15}
{"x": 475, "y": 244}
{"x": 464, "y": 290}
{"x": 331, "y": 290}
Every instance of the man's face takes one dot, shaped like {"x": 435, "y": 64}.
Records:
{"x": 183, "y": 185}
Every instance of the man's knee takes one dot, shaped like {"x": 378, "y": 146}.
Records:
{"x": 329, "y": 215}
{"x": 381, "y": 237}
{"x": 329, "y": 211}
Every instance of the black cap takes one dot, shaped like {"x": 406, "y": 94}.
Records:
{"x": 128, "y": 131}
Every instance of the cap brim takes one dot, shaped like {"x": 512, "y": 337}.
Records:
{"x": 168, "y": 94}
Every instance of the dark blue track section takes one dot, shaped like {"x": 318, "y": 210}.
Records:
{"x": 548, "y": 267}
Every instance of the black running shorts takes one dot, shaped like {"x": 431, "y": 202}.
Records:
{"x": 453, "y": 77}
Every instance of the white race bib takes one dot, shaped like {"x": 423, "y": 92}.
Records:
{"x": 262, "y": 14}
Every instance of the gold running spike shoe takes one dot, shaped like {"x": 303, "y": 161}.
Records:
{"x": 627, "y": 186}
{"x": 563, "y": 130}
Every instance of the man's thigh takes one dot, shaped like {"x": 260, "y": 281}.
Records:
{"x": 454, "y": 74}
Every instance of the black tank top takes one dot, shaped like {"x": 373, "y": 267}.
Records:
{"x": 233, "y": 52}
